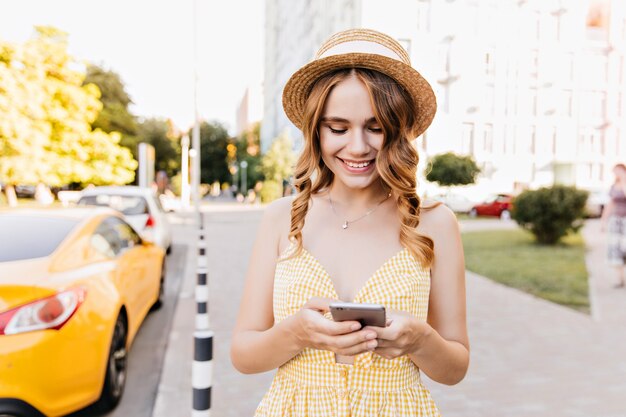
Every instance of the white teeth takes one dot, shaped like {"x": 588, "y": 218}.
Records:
{"x": 359, "y": 165}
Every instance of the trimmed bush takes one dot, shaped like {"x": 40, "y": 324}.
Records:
{"x": 451, "y": 169}
{"x": 550, "y": 213}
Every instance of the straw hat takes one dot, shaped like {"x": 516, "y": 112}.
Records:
{"x": 361, "y": 48}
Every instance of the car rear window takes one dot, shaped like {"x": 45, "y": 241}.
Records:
{"x": 27, "y": 236}
{"x": 127, "y": 204}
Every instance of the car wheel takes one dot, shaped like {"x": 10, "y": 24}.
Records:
{"x": 473, "y": 213}
{"x": 505, "y": 215}
{"x": 115, "y": 379}
{"x": 161, "y": 298}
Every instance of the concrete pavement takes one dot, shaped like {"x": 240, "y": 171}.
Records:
{"x": 529, "y": 356}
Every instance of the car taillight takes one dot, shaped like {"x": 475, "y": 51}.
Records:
{"x": 48, "y": 313}
{"x": 150, "y": 222}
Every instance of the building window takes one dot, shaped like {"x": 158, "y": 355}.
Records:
{"x": 423, "y": 15}
{"x": 597, "y": 104}
{"x": 532, "y": 101}
{"x": 566, "y": 103}
{"x": 592, "y": 172}
{"x": 467, "y": 139}
{"x": 488, "y": 138}
{"x": 509, "y": 145}
{"x": 591, "y": 142}
{"x": 534, "y": 63}
{"x": 489, "y": 100}
{"x": 596, "y": 66}
{"x": 490, "y": 65}
{"x": 567, "y": 66}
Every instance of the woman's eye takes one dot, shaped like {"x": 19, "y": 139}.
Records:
{"x": 338, "y": 131}
{"x": 375, "y": 129}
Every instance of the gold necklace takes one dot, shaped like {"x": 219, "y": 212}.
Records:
{"x": 346, "y": 222}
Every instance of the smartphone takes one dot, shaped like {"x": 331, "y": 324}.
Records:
{"x": 364, "y": 313}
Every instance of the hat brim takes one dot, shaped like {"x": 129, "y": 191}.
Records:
{"x": 299, "y": 86}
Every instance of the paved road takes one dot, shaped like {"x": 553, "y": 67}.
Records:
{"x": 146, "y": 355}
{"x": 529, "y": 357}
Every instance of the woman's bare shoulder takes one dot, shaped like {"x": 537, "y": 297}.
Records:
{"x": 278, "y": 214}
{"x": 436, "y": 219}
{"x": 280, "y": 207}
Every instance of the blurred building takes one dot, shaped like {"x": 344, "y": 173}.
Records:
{"x": 533, "y": 89}
{"x": 249, "y": 110}
{"x": 294, "y": 29}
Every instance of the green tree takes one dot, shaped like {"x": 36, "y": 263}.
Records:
{"x": 277, "y": 166}
{"x": 115, "y": 115}
{"x": 45, "y": 119}
{"x": 550, "y": 213}
{"x": 248, "y": 147}
{"x": 166, "y": 148}
{"x": 214, "y": 140}
{"x": 450, "y": 169}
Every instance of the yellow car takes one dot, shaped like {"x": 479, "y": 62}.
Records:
{"x": 75, "y": 285}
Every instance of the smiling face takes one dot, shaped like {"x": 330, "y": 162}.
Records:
{"x": 350, "y": 136}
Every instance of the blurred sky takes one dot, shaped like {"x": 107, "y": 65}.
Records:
{"x": 149, "y": 43}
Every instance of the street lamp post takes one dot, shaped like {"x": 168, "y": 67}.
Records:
{"x": 184, "y": 186}
{"x": 244, "y": 177}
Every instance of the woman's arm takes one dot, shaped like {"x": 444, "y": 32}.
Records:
{"x": 259, "y": 345}
{"x": 440, "y": 346}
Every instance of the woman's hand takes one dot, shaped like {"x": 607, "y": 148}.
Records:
{"x": 404, "y": 334}
{"x": 346, "y": 338}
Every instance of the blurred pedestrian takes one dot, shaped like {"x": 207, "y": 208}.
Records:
{"x": 355, "y": 231}
{"x": 614, "y": 222}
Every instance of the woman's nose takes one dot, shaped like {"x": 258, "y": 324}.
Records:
{"x": 358, "y": 142}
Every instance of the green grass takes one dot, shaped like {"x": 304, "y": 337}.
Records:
{"x": 555, "y": 273}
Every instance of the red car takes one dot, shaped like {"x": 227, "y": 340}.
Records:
{"x": 498, "y": 206}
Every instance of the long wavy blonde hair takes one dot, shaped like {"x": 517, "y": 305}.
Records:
{"x": 396, "y": 162}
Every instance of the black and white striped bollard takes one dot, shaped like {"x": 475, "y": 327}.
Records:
{"x": 202, "y": 286}
{"x": 202, "y": 373}
{"x": 202, "y": 370}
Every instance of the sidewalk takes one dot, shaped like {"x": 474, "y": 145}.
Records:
{"x": 529, "y": 356}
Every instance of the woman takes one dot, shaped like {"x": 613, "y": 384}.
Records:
{"x": 614, "y": 219}
{"x": 355, "y": 231}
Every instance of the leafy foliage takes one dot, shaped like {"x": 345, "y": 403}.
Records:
{"x": 166, "y": 149}
{"x": 248, "y": 146}
{"x": 550, "y": 213}
{"x": 214, "y": 140}
{"x": 115, "y": 115}
{"x": 46, "y": 114}
{"x": 451, "y": 169}
{"x": 270, "y": 191}
{"x": 277, "y": 164}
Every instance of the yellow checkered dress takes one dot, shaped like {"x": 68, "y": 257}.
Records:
{"x": 312, "y": 384}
